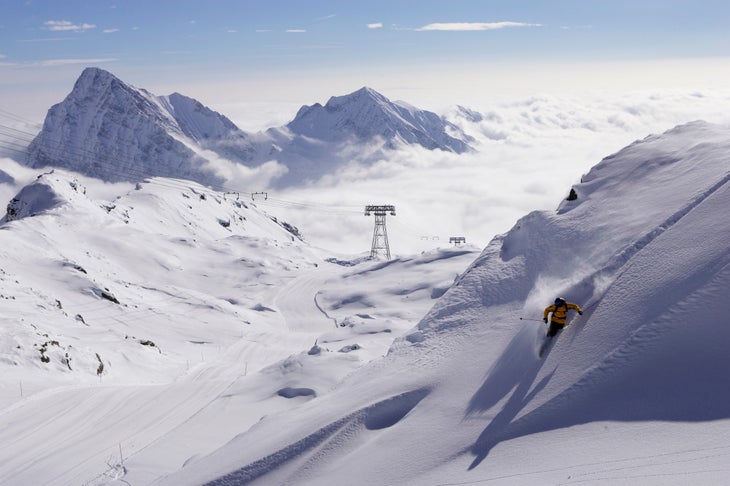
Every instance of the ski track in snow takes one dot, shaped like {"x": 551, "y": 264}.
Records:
{"x": 297, "y": 301}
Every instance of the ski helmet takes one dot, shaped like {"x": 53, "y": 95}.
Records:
{"x": 559, "y": 301}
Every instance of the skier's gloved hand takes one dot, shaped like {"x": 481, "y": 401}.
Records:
{"x": 580, "y": 313}
{"x": 545, "y": 319}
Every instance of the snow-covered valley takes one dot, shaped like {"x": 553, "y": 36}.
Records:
{"x": 128, "y": 323}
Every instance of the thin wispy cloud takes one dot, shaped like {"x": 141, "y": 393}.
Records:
{"x": 45, "y": 63}
{"x": 473, "y": 26}
{"x": 296, "y": 31}
{"x": 375, "y": 25}
{"x": 66, "y": 26}
{"x": 45, "y": 39}
{"x": 110, "y": 31}
{"x": 71, "y": 61}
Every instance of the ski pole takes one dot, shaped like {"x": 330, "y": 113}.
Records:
{"x": 528, "y": 319}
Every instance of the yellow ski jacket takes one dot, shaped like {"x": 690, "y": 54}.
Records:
{"x": 560, "y": 313}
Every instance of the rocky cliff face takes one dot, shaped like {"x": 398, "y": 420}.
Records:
{"x": 108, "y": 129}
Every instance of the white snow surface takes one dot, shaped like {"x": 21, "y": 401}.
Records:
{"x": 277, "y": 363}
{"x": 173, "y": 318}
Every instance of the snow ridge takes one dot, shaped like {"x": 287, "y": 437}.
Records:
{"x": 380, "y": 415}
{"x": 47, "y": 192}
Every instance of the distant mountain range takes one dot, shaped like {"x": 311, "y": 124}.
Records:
{"x": 108, "y": 129}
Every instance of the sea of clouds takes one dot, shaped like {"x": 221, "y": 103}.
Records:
{"x": 528, "y": 153}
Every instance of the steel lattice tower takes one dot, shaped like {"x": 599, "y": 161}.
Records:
{"x": 380, "y": 233}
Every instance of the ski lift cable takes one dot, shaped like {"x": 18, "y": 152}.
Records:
{"x": 15, "y": 133}
{"x": 11, "y": 145}
{"x": 18, "y": 118}
{"x": 410, "y": 229}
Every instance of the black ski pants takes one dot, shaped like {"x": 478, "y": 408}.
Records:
{"x": 554, "y": 328}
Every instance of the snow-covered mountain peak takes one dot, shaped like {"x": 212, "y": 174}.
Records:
{"x": 93, "y": 78}
{"x": 366, "y": 114}
{"x": 362, "y": 95}
{"x": 108, "y": 129}
{"x": 100, "y": 89}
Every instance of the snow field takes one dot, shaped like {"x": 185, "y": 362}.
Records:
{"x": 202, "y": 328}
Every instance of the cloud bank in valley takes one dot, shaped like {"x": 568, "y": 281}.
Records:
{"x": 529, "y": 153}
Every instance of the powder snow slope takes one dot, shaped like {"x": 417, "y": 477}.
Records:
{"x": 633, "y": 392}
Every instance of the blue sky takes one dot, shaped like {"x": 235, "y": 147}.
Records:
{"x": 292, "y": 50}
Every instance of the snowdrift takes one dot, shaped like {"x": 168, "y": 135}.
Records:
{"x": 464, "y": 397}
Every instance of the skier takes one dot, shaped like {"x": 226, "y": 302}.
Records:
{"x": 560, "y": 312}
